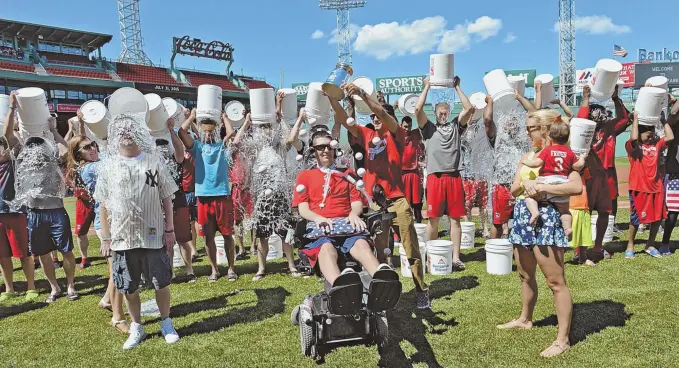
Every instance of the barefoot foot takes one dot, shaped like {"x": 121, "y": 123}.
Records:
{"x": 516, "y": 324}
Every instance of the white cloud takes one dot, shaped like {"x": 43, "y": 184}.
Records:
{"x": 596, "y": 25}
{"x": 509, "y": 38}
{"x": 317, "y": 34}
{"x": 484, "y": 27}
{"x": 455, "y": 40}
{"x": 384, "y": 40}
{"x": 353, "y": 31}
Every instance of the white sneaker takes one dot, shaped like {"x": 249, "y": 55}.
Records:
{"x": 168, "y": 331}
{"x": 137, "y": 335}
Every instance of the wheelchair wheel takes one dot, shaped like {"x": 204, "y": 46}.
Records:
{"x": 381, "y": 330}
{"x": 306, "y": 333}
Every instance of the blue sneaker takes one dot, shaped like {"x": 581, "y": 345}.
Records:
{"x": 629, "y": 254}
{"x": 665, "y": 250}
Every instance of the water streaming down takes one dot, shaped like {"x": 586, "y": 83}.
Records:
{"x": 38, "y": 175}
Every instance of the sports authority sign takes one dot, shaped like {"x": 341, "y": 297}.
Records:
{"x": 400, "y": 85}
{"x": 668, "y": 70}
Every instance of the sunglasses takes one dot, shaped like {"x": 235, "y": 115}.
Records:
{"x": 322, "y": 147}
{"x": 531, "y": 129}
{"x": 88, "y": 147}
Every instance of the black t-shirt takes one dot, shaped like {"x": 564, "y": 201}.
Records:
{"x": 672, "y": 163}
{"x": 177, "y": 172}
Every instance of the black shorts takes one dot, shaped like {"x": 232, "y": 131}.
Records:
{"x": 129, "y": 265}
{"x": 270, "y": 222}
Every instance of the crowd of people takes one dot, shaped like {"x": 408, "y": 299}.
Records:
{"x": 143, "y": 194}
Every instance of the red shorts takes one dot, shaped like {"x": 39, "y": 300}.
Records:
{"x": 242, "y": 202}
{"x": 13, "y": 235}
{"x": 412, "y": 182}
{"x": 182, "y": 225}
{"x": 215, "y": 214}
{"x": 647, "y": 208}
{"x": 503, "y": 204}
{"x": 476, "y": 192}
{"x": 84, "y": 216}
{"x": 612, "y": 178}
{"x": 445, "y": 195}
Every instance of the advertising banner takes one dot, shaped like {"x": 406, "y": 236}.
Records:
{"x": 644, "y": 71}
{"x": 67, "y": 108}
{"x": 400, "y": 85}
{"x": 301, "y": 89}
{"x": 627, "y": 74}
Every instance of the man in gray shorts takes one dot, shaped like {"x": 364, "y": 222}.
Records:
{"x": 136, "y": 230}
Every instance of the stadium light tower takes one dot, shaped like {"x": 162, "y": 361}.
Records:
{"x": 343, "y": 29}
{"x": 130, "y": 34}
{"x": 567, "y": 52}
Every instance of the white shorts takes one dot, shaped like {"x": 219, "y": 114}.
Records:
{"x": 553, "y": 180}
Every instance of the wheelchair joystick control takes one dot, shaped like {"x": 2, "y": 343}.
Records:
{"x": 359, "y": 156}
{"x": 300, "y": 188}
{"x": 361, "y": 171}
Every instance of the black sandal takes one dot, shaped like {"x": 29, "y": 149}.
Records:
{"x": 72, "y": 297}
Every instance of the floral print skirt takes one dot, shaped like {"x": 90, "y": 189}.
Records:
{"x": 547, "y": 230}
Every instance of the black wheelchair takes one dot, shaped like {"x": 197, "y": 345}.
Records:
{"x": 354, "y": 308}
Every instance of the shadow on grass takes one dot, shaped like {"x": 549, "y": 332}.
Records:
{"x": 20, "y": 308}
{"x": 479, "y": 255}
{"x": 409, "y": 324}
{"x": 590, "y": 318}
{"x": 241, "y": 269}
{"x": 269, "y": 303}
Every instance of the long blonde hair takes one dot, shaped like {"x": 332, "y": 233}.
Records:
{"x": 545, "y": 118}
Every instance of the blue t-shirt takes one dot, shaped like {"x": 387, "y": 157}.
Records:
{"x": 89, "y": 175}
{"x": 212, "y": 169}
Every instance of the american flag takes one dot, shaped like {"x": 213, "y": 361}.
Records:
{"x": 619, "y": 51}
{"x": 672, "y": 195}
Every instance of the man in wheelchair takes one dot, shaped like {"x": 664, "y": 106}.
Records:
{"x": 328, "y": 198}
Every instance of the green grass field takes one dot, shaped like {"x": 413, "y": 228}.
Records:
{"x": 625, "y": 315}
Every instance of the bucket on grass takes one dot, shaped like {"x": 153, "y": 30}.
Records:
{"x": 518, "y": 83}
{"x": 221, "y": 251}
{"x": 440, "y": 257}
{"x": 605, "y": 77}
{"x": 128, "y": 100}
{"x": 547, "y": 88}
{"x": 478, "y": 100}
{"x": 262, "y": 106}
{"x": 499, "y": 256}
{"x": 441, "y": 70}
{"x": 649, "y": 105}
{"x": 317, "y": 106}
{"x": 209, "y": 103}
{"x": 159, "y": 116}
{"x": 498, "y": 87}
{"x": 96, "y": 118}
{"x": 405, "y": 264}
{"x": 275, "y": 247}
{"x": 235, "y": 112}
{"x": 32, "y": 106}
{"x": 468, "y": 229}
{"x": 177, "y": 260}
{"x": 337, "y": 77}
{"x": 289, "y": 105}
{"x": 175, "y": 110}
{"x": 366, "y": 84}
{"x": 582, "y": 131}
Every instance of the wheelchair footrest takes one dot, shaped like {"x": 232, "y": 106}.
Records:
{"x": 384, "y": 291}
{"x": 345, "y": 296}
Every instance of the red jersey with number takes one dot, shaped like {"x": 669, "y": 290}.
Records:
{"x": 412, "y": 151}
{"x": 558, "y": 160}
{"x": 383, "y": 161}
{"x": 645, "y": 175}
{"x": 337, "y": 201}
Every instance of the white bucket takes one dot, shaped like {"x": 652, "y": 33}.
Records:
{"x": 317, "y": 106}
{"x": 366, "y": 84}
{"x": 289, "y": 105}
{"x": 175, "y": 110}
{"x": 605, "y": 77}
{"x": 221, "y": 251}
{"x": 159, "y": 116}
{"x": 468, "y": 229}
{"x": 440, "y": 257}
{"x": 234, "y": 111}
{"x": 421, "y": 230}
{"x": 518, "y": 83}
{"x": 441, "y": 70}
{"x": 262, "y": 106}
{"x": 649, "y": 105}
{"x": 32, "y": 106}
{"x": 593, "y": 220}
{"x": 498, "y": 87}
{"x": 128, "y": 100}
{"x": 275, "y": 247}
{"x": 209, "y": 102}
{"x": 478, "y": 100}
{"x": 177, "y": 260}
{"x": 608, "y": 236}
{"x": 405, "y": 265}
{"x": 582, "y": 131}
{"x": 96, "y": 118}
{"x": 4, "y": 107}
{"x": 547, "y": 88}
{"x": 406, "y": 104}
{"x": 499, "y": 256}
{"x": 660, "y": 82}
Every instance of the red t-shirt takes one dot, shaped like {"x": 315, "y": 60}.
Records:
{"x": 188, "y": 173}
{"x": 603, "y": 142}
{"x": 339, "y": 198}
{"x": 412, "y": 150}
{"x": 644, "y": 174}
{"x": 383, "y": 160}
{"x": 558, "y": 160}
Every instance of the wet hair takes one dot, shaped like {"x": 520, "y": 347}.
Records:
{"x": 319, "y": 134}
{"x": 645, "y": 129}
{"x": 407, "y": 119}
{"x": 162, "y": 142}
{"x": 559, "y": 132}
{"x": 442, "y": 104}
{"x": 598, "y": 113}
{"x": 208, "y": 121}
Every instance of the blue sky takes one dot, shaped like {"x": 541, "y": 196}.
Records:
{"x": 270, "y": 35}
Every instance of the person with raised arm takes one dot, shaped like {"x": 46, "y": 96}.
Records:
{"x": 384, "y": 151}
{"x": 445, "y": 188}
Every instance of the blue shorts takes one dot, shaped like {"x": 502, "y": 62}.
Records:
{"x": 193, "y": 206}
{"x": 49, "y": 230}
{"x": 344, "y": 244}
{"x": 633, "y": 216}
